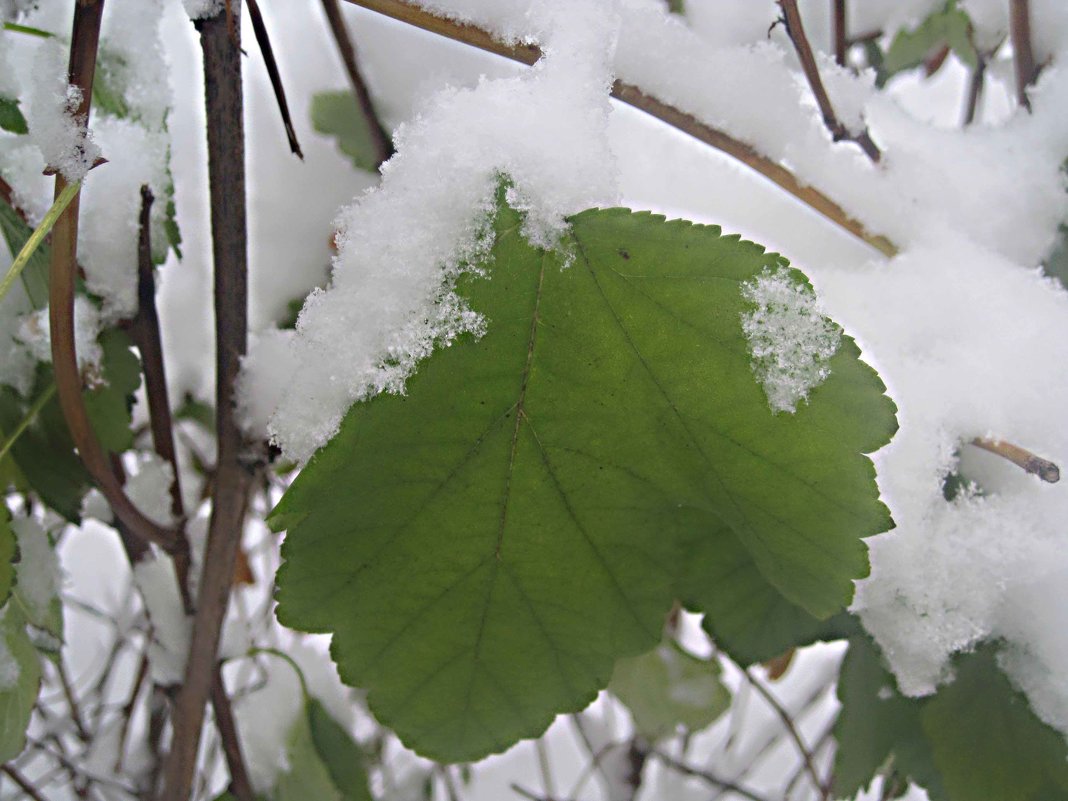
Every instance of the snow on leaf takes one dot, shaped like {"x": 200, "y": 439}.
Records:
{"x": 487, "y": 546}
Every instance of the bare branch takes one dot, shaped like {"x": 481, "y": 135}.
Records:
{"x": 382, "y": 143}
{"x": 837, "y": 128}
{"x": 240, "y": 785}
{"x": 22, "y": 782}
{"x": 1021, "y": 457}
{"x": 706, "y": 776}
{"x": 975, "y": 90}
{"x": 634, "y": 96}
{"x": 264, "y": 41}
{"x": 226, "y": 169}
{"x": 1023, "y": 54}
{"x": 841, "y": 37}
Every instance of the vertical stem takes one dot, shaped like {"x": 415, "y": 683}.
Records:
{"x": 841, "y": 39}
{"x": 226, "y": 170}
{"x": 975, "y": 91}
{"x": 383, "y": 145}
{"x": 1023, "y": 55}
{"x": 240, "y": 785}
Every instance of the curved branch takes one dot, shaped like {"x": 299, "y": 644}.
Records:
{"x": 84, "y": 40}
{"x": 634, "y": 96}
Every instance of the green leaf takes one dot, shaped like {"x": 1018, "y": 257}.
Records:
{"x": 987, "y": 743}
{"x": 9, "y": 554}
{"x": 667, "y": 688}
{"x": 34, "y": 277}
{"x": 110, "y": 403}
{"x": 324, "y": 762}
{"x": 947, "y": 27}
{"x": 339, "y": 753}
{"x": 677, "y": 6}
{"x": 11, "y": 118}
{"x": 743, "y": 612}
{"x": 338, "y": 115}
{"x": 486, "y": 547}
{"x": 17, "y": 697}
{"x": 44, "y": 452}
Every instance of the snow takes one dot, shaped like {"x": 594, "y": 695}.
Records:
{"x": 789, "y": 339}
{"x": 37, "y": 574}
{"x": 66, "y": 146}
{"x": 202, "y": 9}
{"x": 171, "y": 629}
{"x": 149, "y": 487}
{"x": 33, "y": 332}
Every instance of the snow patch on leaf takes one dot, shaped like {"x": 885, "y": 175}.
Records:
{"x": 790, "y": 341}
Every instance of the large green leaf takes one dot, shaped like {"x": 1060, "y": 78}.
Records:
{"x": 667, "y": 688}
{"x": 485, "y": 547}
{"x": 19, "y": 692}
{"x": 34, "y": 277}
{"x": 336, "y": 114}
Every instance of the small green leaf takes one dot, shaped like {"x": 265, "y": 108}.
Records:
{"x": 677, "y": 6}
{"x": 44, "y": 452}
{"x": 339, "y": 753}
{"x": 667, "y": 688}
{"x": 34, "y": 277}
{"x": 110, "y": 403}
{"x": 987, "y": 743}
{"x": 947, "y": 27}
{"x": 337, "y": 114}
{"x": 11, "y": 118}
{"x": 9, "y": 554}
{"x": 18, "y": 694}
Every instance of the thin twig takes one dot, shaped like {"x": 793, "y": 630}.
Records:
{"x": 382, "y": 143}
{"x": 72, "y": 701}
{"x": 149, "y": 341}
{"x": 838, "y": 129}
{"x": 791, "y": 729}
{"x": 634, "y": 96}
{"x": 22, "y": 782}
{"x": 240, "y": 785}
{"x": 709, "y": 778}
{"x": 128, "y": 708}
{"x": 226, "y": 170}
{"x": 1021, "y": 457}
{"x": 264, "y": 42}
{"x": 84, "y": 39}
{"x": 841, "y": 37}
{"x": 1023, "y": 54}
{"x": 975, "y": 90}
{"x": 545, "y": 768}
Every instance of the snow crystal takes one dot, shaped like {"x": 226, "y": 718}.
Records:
{"x": 171, "y": 628}
{"x": 35, "y": 334}
{"x": 9, "y": 667}
{"x": 789, "y": 339}
{"x": 65, "y": 145}
{"x": 37, "y": 574}
{"x": 401, "y": 245}
{"x": 149, "y": 487}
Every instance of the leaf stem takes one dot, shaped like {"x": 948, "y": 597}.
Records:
{"x": 226, "y": 171}
{"x": 1021, "y": 457}
{"x": 634, "y": 96}
{"x": 839, "y": 131}
{"x": 264, "y": 42}
{"x": 28, "y": 419}
{"x": 62, "y": 201}
{"x": 382, "y": 143}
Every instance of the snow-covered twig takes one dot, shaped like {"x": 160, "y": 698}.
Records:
{"x": 1021, "y": 457}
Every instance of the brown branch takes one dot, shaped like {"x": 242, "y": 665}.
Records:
{"x": 839, "y": 131}
{"x": 706, "y": 776}
{"x": 841, "y": 37}
{"x": 149, "y": 341}
{"x": 382, "y": 143}
{"x": 24, "y": 784}
{"x": 1021, "y": 457}
{"x": 1023, "y": 54}
{"x": 72, "y": 701}
{"x": 791, "y": 729}
{"x": 84, "y": 39}
{"x": 226, "y": 170}
{"x": 264, "y": 42}
{"x": 634, "y": 96}
{"x": 240, "y": 785}
{"x": 129, "y": 706}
